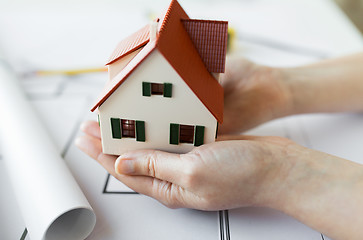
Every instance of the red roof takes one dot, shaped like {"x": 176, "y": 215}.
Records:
{"x": 130, "y": 44}
{"x": 210, "y": 39}
{"x": 175, "y": 44}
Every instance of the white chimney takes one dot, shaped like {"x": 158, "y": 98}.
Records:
{"x": 153, "y": 30}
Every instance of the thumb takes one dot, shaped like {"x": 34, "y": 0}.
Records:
{"x": 156, "y": 164}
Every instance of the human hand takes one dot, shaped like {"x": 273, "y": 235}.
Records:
{"x": 221, "y": 175}
{"x": 254, "y": 94}
{"x": 316, "y": 188}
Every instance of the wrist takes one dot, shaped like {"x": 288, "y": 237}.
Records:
{"x": 292, "y": 174}
{"x": 278, "y": 170}
{"x": 301, "y": 91}
{"x": 320, "y": 186}
{"x": 281, "y": 104}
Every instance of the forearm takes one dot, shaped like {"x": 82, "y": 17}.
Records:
{"x": 329, "y": 86}
{"x": 324, "y": 192}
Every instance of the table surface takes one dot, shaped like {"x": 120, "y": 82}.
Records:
{"x": 59, "y": 35}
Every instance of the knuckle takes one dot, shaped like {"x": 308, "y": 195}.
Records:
{"x": 151, "y": 164}
{"x": 171, "y": 204}
{"x": 167, "y": 194}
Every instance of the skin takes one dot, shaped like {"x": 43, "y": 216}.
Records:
{"x": 321, "y": 190}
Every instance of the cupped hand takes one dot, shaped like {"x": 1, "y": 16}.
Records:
{"x": 239, "y": 171}
{"x": 254, "y": 94}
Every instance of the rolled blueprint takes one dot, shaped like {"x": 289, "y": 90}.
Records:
{"x": 51, "y": 202}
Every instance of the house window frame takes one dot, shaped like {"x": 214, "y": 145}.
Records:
{"x": 186, "y": 133}
{"x": 118, "y": 131}
{"x": 128, "y": 128}
{"x": 175, "y": 134}
{"x": 157, "y": 89}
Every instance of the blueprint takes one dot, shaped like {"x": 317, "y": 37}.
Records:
{"x": 63, "y": 102}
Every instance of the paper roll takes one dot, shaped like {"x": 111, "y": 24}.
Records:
{"x": 52, "y": 204}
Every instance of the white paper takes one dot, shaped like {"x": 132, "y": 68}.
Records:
{"x": 52, "y": 204}
{"x": 246, "y": 223}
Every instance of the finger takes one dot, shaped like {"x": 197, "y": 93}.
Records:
{"x": 149, "y": 186}
{"x": 91, "y": 128}
{"x": 162, "y": 165}
{"x": 92, "y": 147}
{"x": 165, "y": 192}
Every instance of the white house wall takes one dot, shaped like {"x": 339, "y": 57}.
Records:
{"x": 127, "y": 102}
{"x": 116, "y": 67}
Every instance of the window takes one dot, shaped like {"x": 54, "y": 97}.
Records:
{"x": 164, "y": 89}
{"x": 126, "y": 128}
{"x": 157, "y": 89}
{"x": 186, "y": 134}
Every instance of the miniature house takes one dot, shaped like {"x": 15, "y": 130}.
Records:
{"x": 163, "y": 92}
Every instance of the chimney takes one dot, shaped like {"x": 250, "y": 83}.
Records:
{"x": 153, "y": 30}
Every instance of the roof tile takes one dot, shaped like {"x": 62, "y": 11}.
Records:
{"x": 130, "y": 44}
{"x": 210, "y": 39}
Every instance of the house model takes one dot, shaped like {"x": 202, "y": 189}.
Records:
{"x": 163, "y": 91}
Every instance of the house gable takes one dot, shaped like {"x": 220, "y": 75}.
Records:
{"x": 158, "y": 112}
{"x": 175, "y": 44}
{"x": 115, "y": 82}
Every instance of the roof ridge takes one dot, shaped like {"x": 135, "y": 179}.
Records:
{"x": 168, "y": 14}
{"x": 203, "y": 20}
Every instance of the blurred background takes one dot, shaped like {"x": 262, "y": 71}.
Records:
{"x": 40, "y": 34}
{"x": 354, "y": 10}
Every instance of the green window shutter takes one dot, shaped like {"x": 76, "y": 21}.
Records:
{"x": 116, "y": 128}
{"x": 199, "y": 135}
{"x": 98, "y": 120}
{"x": 146, "y": 89}
{"x": 167, "y": 90}
{"x": 217, "y": 130}
{"x": 174, "y": 133}
{"x": 140, "y": 131}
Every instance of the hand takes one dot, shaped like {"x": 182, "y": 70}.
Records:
{"x": 320, "y": 190}
{"x": 253, "y": 95}
{"x": 215, "y": 176}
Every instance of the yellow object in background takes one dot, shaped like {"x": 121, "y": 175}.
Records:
{"x": 70, "y": 72}
{"x": 231, "y": 43}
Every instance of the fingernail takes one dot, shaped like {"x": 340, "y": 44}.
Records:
{"x": 123, "y": 166}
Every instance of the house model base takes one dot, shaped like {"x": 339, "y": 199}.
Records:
{"x": 163, "y": 92}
